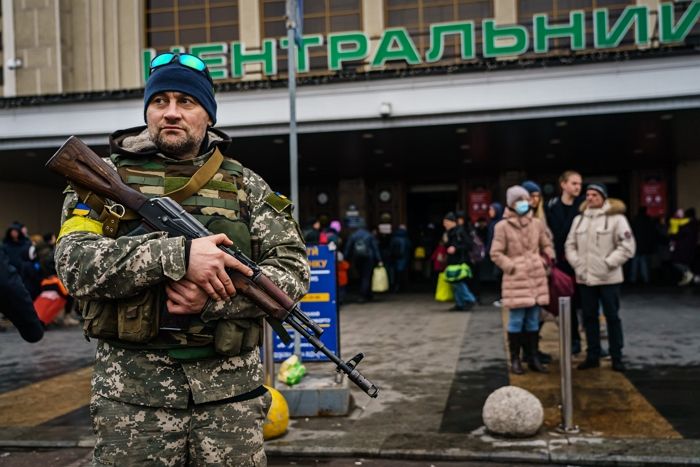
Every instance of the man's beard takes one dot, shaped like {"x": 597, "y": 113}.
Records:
{"x": 188, "y": 145}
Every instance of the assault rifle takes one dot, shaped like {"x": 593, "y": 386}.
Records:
{"x": 82, "y": 167}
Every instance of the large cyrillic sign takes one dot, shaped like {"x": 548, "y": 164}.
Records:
{"x": 233, "y": 60}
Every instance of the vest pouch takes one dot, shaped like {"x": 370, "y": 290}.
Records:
{"x": 237, "y": 231}
{"x": 236, "y": 336}
{"x": 99, "y": 319}
{"x": 137, "y": 317}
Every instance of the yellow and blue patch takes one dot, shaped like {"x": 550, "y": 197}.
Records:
{"x": 81, "y": 209}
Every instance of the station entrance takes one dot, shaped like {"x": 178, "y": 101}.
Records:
{"x": 416, "y": 174}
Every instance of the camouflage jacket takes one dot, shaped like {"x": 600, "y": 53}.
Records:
{"x": 94, "y": 267}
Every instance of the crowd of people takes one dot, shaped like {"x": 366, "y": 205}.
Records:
{"x": 36, "y": 297}
{"x": 364, "y": 250}
{"x": 583, "y": 233}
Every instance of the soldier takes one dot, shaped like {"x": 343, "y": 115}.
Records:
{"x": 188, "y": 393}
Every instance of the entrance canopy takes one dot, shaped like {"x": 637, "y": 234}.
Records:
{"x": 571, "y": 90}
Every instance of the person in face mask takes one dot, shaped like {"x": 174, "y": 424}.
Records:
{"x": 522, "y": 249}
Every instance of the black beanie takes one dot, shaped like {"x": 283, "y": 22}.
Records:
{"x": 600, "y": 188}
{"x": 179, "y": 78}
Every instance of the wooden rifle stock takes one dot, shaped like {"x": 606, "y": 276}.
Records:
{"x": 82, "y": 166}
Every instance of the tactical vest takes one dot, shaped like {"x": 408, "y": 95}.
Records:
{"x": 221, "y": 206}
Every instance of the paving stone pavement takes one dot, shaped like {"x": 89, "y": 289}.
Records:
{"x": 435, "y": 368}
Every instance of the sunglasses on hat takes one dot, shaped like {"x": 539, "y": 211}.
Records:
{"x": 188, "y": 60}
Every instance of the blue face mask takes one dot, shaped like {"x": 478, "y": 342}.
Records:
{"x": 522, "y": 207}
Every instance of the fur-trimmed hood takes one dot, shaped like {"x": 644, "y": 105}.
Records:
{"x": 611, "y": 207}
{"x": 137, "y": 142}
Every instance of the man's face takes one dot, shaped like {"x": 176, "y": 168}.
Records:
{"x": 448, "y": 224}
{"x": 572, "y": 185}
{"x": 14, "y": 235}
{"x": 176, "y": 123}
{"x": 595, "y": 199}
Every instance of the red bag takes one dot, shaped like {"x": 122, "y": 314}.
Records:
{"x": 439, "y": 258}
{"x": 51, "y": 300}
{"x": 560, "y": 285}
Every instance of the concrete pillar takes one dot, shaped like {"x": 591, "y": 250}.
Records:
{"x": 373, "y": 23}
{"x": 250, "y": 35}
{"x": 505, "y": 12}
{"x": 37, "y": 30}
{"x": 653, "y": 18}
{"x": 7, "y": 34}
{"x": 101, "y": 44}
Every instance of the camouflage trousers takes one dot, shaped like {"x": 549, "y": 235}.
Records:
{"x": 217, "y": 433}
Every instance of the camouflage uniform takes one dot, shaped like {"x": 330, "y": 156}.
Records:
{"x": 137, "y": 392}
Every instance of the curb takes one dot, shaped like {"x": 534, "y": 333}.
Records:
{"x": 607, "y": 453}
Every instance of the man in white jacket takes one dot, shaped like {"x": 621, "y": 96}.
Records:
{"x": 599, "y": 243}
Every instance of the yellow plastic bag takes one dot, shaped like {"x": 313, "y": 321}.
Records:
{"x": 443, "y": 291}
{"x": 380, "y": 280}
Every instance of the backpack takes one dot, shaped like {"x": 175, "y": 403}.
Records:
{"x": 361, "y": 248}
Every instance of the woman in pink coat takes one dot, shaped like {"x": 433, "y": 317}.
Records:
{"x": 522, "y": 249}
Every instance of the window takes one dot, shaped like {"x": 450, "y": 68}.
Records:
{"x": 558, "y": 11}
{"x": 320, "y": 17}
{"x": 187, "y": 22}
{"x": 417, "y": 16}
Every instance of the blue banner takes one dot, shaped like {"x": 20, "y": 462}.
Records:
{"x": 320, "y": 304}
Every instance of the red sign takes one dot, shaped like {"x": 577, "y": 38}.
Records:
{"x": 653, "y": 195}
{"x": 478, "y": 202}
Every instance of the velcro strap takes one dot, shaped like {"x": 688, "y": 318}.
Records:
{"x": 142, "y": 163}
{"x": 232, "y": 166}
{"x": 202, "y": 201}
{"x": 142, "y": 180}
{"x": 173, "y": 183}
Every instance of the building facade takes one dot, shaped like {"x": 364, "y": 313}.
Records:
{"x": 406, "y": 108}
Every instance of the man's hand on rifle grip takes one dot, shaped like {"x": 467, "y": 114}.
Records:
{"x": 185, "y": 297}
{"x": 207, "y": 266}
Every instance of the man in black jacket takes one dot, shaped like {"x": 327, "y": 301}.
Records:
{"x": 18, "y": 307}
{"x": 560, "y": 212}
{"x": 458, "y": 245}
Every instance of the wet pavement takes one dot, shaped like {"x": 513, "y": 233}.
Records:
{"x": 435, "y": 369}
{"x": 60, "y": 351}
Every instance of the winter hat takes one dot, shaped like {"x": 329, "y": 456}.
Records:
{"x": 531, "y": 186}
{"x": 600, "y": 188}
{"x": 514, "y": 193}
{"x": 450, "y": 216}
{"x": 336, "y": 225}
{"x": 177, "y": 77}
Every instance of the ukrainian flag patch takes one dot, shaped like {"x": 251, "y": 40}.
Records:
{"x": 81, "y": 209}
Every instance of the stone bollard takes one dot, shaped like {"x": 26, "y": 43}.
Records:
{"x": 512, "y": 411}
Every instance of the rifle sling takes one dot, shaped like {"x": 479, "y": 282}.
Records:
{"x": 110, "y": 219}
